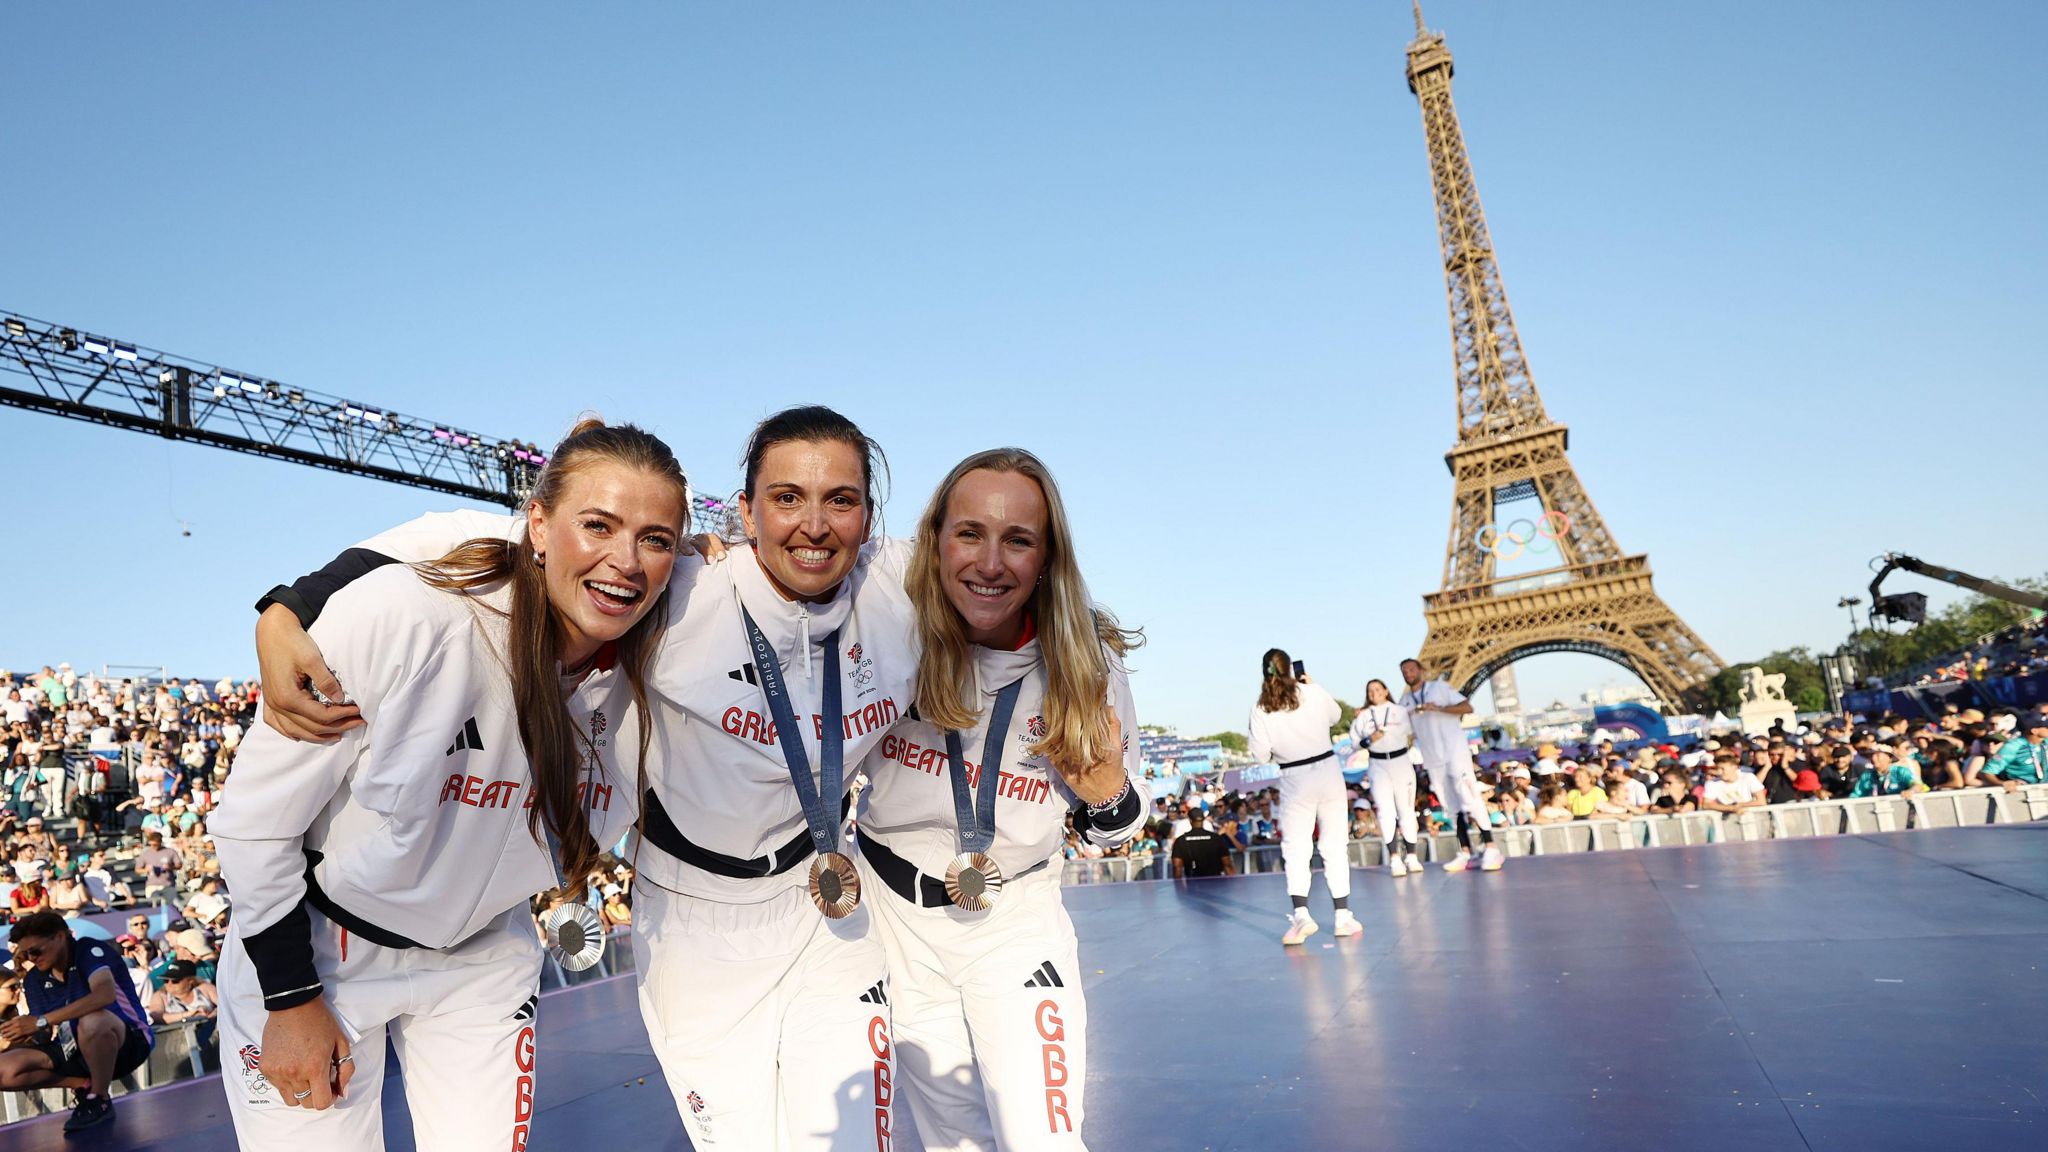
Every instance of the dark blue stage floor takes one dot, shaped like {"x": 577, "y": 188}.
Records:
{"x": 1872, "y": 992}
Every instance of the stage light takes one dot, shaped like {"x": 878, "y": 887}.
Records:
{"x": 219, "y": 393}
{"x": 96, "y": 346}
{"x": 16, "y": 327}
{"x": 296, "y": 396}
{"x": 441, "y": 433}
{"x": 68, "y": 339}
{"x": 230, "y": 379}
{"x": 123, "y": 352}
{"x": 373, "y": 417}
{"x": 252, "y": 387}
{"x": 170, "y": 375}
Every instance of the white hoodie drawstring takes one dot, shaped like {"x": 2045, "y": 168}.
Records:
{"x": 803, "y": 623}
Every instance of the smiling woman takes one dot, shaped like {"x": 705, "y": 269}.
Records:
{"x": 381, "y": 883}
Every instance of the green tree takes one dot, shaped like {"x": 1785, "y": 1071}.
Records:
{"x": 1233, "y": 741}
{"x": 1803, "y": 684}
{"x": 1343, "y": 724}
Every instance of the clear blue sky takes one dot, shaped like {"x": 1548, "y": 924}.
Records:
{"x": 1774, "y": 264}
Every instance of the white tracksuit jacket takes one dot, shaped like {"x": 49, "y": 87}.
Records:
{"x": 1382, "y": 730}
{"x": 419, "y": 822}
{"x": 759, "y": 1007}
{"x": 1311, "y": 795}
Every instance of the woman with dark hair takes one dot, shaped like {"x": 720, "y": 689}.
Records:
{"x": 381, "y": 880}
{"x": 1291, "y": 725}
{"x": 762, "y": 986}
{"x": 1024, "y": 714}
{"x": 1381, "y": 728}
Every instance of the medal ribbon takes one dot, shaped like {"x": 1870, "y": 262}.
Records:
{"x": 831, "y": 743}
{"x": 977, "y": 822}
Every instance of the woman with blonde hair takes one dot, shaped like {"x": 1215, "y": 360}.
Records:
{"x": 1291, "y": 725}
{"x": 1023, "y": 715}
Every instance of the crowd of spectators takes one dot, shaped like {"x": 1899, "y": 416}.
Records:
{"x": 1833, "y": 758}
{"x": 2021, "y": 650}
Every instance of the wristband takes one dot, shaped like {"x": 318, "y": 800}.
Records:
{"x": 1113, "y": 802}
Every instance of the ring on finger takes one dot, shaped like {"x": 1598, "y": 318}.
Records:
{"x": 340, "y": 1060}
{"x": 302, "y": 1095}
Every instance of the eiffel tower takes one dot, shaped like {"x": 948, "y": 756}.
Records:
{"x": 1595, "y": 599}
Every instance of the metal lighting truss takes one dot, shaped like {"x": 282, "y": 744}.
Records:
{"x": 71, "y": 372}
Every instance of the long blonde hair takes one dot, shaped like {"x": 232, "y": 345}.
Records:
{"x": 555, "y": 744}
{"x": 1076, "y": 638}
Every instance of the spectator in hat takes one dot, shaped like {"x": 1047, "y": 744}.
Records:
{"x": 1806, "y": 785}
{"x": 30, "y": 895}
{"x": 183, "y": 996}
{"x": 1198, "y": 852}
{"x": 34, "y": 836}
{"x": 1887, "y": 776}
{"x": 2024, "y": 760}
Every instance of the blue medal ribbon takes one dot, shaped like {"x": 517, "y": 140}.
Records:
{"x": 977, "y": 820}
{"x": 831, "y": 744}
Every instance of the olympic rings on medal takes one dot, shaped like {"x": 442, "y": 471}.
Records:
{"x": 1535, "y": 536}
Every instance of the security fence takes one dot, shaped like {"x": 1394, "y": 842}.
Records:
{"x": 1954, "y": 809}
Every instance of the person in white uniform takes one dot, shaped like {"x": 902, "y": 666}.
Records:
{"x": 1381, "y": 728}
{"x": 1024, "y": 715}
{"x": 1291, "y": 725}
{"x": 382, "y": 881}
{"x": 763, "y": 985}
{"x": 1433, "y": 708}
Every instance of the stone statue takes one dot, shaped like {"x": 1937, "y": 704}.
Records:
{"x": 1764, "y": 702}
{"x": 1761, "y": 687}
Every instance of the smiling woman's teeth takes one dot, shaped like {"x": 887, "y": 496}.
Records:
{"x": 810, "y": 555}
{"x": 615, "y": 591}
{"x": 983, "y": 589}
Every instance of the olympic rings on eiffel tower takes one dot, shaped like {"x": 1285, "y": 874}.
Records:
{"x": 1540, "y": 535}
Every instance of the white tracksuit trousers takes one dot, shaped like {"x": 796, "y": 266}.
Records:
{"x": 1457, "y": 790}
{"x": 771, "y": 1021}
{"x": 1393, "y": 797}
{"x": 462, "y": 1021}
{"x": 1311, "y": 797}
{"x": 990, "y": 1019}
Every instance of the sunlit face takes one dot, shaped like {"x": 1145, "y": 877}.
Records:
{"x": 1411, "y": 672}
{"x": 992, "y": 550}
{"x": 609, "y": 547}
{"x": 1376, "y": 693}
{"x": 808, "y": 515}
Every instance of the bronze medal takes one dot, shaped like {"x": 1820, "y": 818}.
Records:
{"x": 974, "y": 881}
{"x": 835, "y": 886}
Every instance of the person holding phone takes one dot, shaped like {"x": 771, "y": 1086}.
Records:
{"x": 1291, "y": 725}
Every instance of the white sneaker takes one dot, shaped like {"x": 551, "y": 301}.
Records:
{"x": 1492, "y": 859}
{"x": 1414, "y": 862}
{"x": 1460, "y": 864}
{"x": 1396, "y": 868}
{"x": 1300, "y": 927}
{"x": 1346, "y": 925}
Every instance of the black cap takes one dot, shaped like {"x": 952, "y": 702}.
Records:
{"x": 180, "y": 970}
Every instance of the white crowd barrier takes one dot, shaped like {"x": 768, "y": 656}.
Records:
{"x": 1964, "y": 808}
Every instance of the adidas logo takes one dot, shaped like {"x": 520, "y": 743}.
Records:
{"x": 875, "y": 995}
{"x": 468, "y": 739}
{"x": 528, "y": 1009}
{"x": 1045, "y": 977}
{"x": 745, "y": 672}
